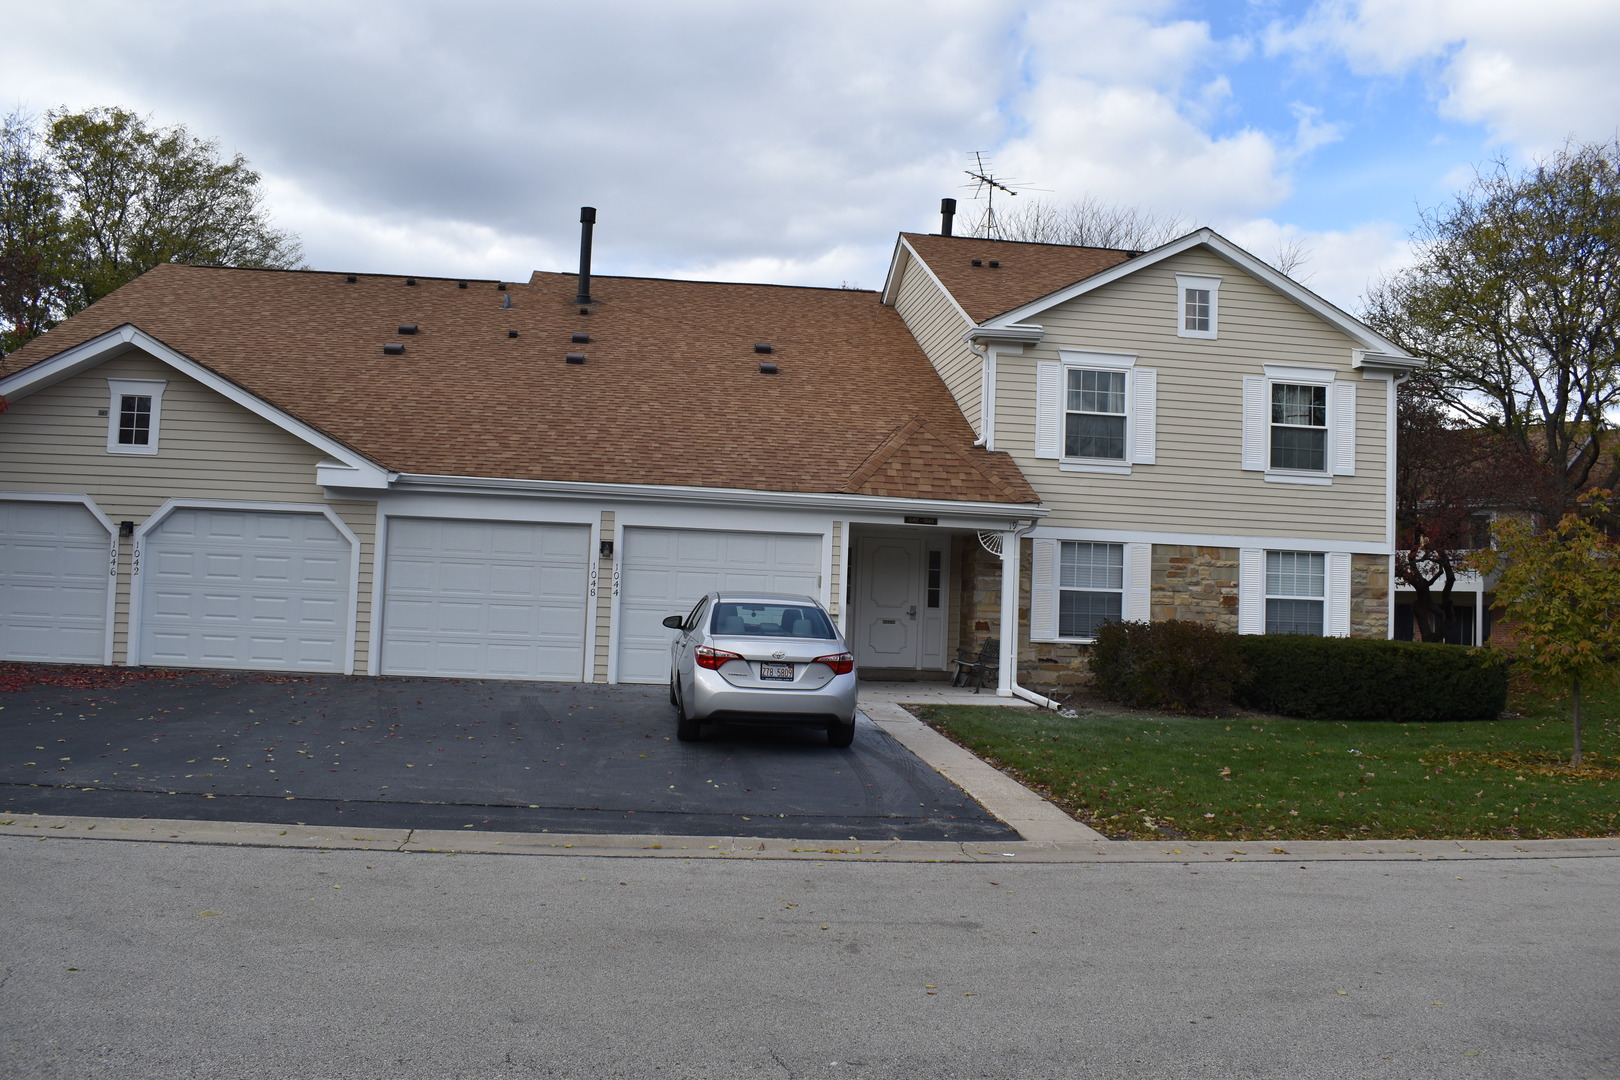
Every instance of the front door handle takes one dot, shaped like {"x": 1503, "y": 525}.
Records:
{"x": 912, "y": 611}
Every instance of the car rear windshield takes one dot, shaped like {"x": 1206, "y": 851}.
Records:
{"x": 770, "y": 620}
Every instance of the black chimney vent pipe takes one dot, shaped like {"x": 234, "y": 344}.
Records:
{"x": 947, "y": 212}
{"x": 587, "y": 221}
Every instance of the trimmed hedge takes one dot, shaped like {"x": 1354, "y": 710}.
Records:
{"x": 1190, "y": 667}
{"x": 1371, "y": 679}
{"x": 1179, "y": 665}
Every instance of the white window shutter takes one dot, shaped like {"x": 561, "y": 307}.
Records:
{"x": 1144, "y": 425}
{"x": 1048, "y": 409}
{"x": 1338, "y": 594}
{"x": 1344, "y": 428}
{"x": 1138, "y": 582}
{"x": 1043, "y": 590}
{"x": 1256, "y": 424}
{"x": 1252, "y": 590}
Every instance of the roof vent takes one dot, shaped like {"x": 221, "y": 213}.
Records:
{"x": 767, "y": 367}
{"x": 351, "y": 279}
{"x": 581, "y": 339}
{"x": 410, "y": 281}
{"x": 584, "y": 311}
{"x": 762, "y": 347}
{"x": 461, "y": 284}
{"x": 947, "y": 214}
{"x": 501, "y": 285}
{"x": 407, "y": 328}
{"x": 587, "y": 224}
{"x": 511, "y": 333}
{"x": 575, "y": 358}
{"x": 394, "y": 348}
{"x": 995, "y": 263}
{"x": 978, "y": 262}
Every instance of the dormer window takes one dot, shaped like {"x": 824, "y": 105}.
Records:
{"x": 133, "y": 413}
{"x": 1198, "y": 305}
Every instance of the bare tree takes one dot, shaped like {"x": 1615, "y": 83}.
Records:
{"x": 1090, "y": 222}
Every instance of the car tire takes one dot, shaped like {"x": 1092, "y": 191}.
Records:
{"x": 673, "y": 700}
{"x": 686, "y": 728}
{"x": 840, "y": 735}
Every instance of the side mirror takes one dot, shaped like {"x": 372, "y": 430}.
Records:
{"x": 675, "y": 622}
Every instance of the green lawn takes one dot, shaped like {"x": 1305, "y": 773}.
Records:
{"x": 1147, "y": 777}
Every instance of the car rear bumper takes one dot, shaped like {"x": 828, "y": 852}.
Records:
{"x": 716, "y": 699}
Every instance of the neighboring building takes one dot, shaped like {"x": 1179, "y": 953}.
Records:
{"x": 292, "y": 470}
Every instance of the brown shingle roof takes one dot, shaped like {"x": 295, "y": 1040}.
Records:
{"x": 1027, "y": 271}
{"x": 670, "y": 394}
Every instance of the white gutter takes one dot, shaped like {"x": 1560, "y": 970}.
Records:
{"x": 1007, "y": 684}
{"x": 857, "y": 504}
{"x": 986, "y": 385}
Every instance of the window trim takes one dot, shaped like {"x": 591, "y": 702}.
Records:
{"x": 117, "y": 391}
{"x": 1272, "y": 425}
{"x": 1184, "y": 282}
{"x": 1052, "y": 410}
{"x": 1046, "y": 586}
{"x": 1340, "y": 441}
{"x": 1252, "y": 592}
{"x": 1321, "y": 598}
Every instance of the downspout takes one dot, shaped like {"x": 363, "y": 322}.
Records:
{"x": 1390, "y": 450}
{"x": 1008, "y": 686}
{"x": 987, "y": 390}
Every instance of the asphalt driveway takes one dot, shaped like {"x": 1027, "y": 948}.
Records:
{"x": 353, "y": 751}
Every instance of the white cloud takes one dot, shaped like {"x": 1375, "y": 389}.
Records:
{"x": 1338, "y": 265}
{"x": 1531, "y": 74}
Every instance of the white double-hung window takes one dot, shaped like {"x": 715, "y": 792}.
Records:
{"x": 1294, "y": 592}
{"x": 1077, "y": 585}
{"x": 1299, "y": 425}
{"x": 1094, "y": 411}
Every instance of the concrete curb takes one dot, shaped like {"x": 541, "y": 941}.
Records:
{"x": 40, "y": 828}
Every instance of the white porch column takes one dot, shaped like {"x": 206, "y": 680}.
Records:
{"x": 1009, "y": 614}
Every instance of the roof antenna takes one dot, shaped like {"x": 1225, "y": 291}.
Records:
{"x": 985, "y": 185}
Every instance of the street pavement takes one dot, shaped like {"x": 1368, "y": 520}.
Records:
{"x": 378, "y": 753}
{"x": 154, "y": 959}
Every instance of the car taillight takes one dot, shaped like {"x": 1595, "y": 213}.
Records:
{"x": 841, "y": 663}
{"x": 712, "y": 658}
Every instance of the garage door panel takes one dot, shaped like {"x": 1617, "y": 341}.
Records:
{"x": 485, "y": 599}
{"x": 262, "y": 590}
{"x": 665, "y": 571}
{"x": 54, "y": 582}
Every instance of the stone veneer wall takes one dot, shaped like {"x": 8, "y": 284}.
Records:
{"x": 1369, "y": 596}
{"x": 1197, "y": 584}
{"x": 978, "y": 609}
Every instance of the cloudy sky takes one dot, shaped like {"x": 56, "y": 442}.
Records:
{"x": 759, "y": 140}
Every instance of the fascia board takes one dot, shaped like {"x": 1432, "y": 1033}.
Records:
{"x": 1353, "y": 328}
{"x": 87, "y": 355}
{"x": 796, "y": 500}
{"x": 896, "y": 273}
{"x": 897, "y": 270}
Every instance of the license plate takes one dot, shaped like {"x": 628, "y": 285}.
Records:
{"x": 776, "y": 671}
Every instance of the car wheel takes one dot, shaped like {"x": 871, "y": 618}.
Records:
{"x": 673, "y": 700}
{"x": 840, "y": 735}
{"x": 686, "y": 728}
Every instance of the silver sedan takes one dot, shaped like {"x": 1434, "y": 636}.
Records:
{"x": 761, "y": 657}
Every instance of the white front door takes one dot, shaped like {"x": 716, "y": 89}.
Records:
{"x": 889, "y": 598}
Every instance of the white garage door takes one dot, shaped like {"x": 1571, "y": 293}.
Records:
{"x": 54, "y": 576}
{"x": 485, "y": 599}
{"x": 258, "y": 589}
{"x": 665, "y": 571}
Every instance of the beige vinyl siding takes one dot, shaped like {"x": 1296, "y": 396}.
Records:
{"x": 208, "y": 448}
{"x": 938, "y": 327}
{"x": 604, "y": 602}
{"x": 1198, "y": 484}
